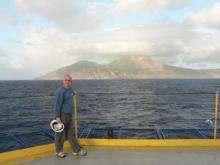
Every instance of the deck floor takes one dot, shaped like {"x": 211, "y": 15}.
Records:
{"x": 131, "y": 157}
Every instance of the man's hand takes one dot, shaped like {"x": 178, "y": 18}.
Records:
{"x": 77, "y": 94}
{"x": 58, "y": 119}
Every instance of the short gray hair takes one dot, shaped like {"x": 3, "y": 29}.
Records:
{"x": 67, "y": 75}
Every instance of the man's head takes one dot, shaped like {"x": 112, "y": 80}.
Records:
{"x": 67, "y": 81}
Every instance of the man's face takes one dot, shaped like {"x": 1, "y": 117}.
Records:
{"x": 67, "y": 82}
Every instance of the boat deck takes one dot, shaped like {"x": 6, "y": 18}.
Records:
{"x": 14, "y": 141}
{"x": 131, "y": 157}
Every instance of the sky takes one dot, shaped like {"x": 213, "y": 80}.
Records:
{"x": 38, "y": 36}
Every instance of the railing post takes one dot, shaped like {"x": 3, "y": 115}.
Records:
{"x": 216, "y": 115}
{"x": 75, "y": 116}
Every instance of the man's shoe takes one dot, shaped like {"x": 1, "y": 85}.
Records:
{"x": 60, "y": 155}
{"x": 80, "y": 153}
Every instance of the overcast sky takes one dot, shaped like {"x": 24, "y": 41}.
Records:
{"x": 38, "y": 36}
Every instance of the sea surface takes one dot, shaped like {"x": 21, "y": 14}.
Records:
{"x": 26, "y": 106}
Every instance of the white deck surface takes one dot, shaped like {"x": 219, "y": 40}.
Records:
{"x": 136, "y": 157}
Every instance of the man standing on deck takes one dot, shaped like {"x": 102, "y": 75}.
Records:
{"x": 63, "y": 111}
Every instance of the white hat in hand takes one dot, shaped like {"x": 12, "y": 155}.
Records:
{"x": 56, "y": 127}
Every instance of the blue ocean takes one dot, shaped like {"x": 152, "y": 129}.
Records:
{"x": 153, "y": 103}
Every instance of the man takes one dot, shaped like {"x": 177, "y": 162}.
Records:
{"x": 63, "y": 111}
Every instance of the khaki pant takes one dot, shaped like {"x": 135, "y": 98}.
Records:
{"x": 67, "y": 133}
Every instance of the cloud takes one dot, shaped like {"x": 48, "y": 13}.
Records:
{"x": 75, "y": 35}
{"x": 2, "y": 53}
{"x": 6, "y": 19}
{"x": 72, "y": 16}
{"x": 168, "y": 42}
{"x": 207, "y": 17}
{"x": 16, "y": 63}
{"x": 41, "y": 50}
{"x": 12, "y": 66}
{"x": 147, "y": 5}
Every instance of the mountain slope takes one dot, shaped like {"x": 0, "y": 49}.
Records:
{"x": 134, "y": 67}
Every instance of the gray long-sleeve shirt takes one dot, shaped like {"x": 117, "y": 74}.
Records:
{"x": 64, "y": 101}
